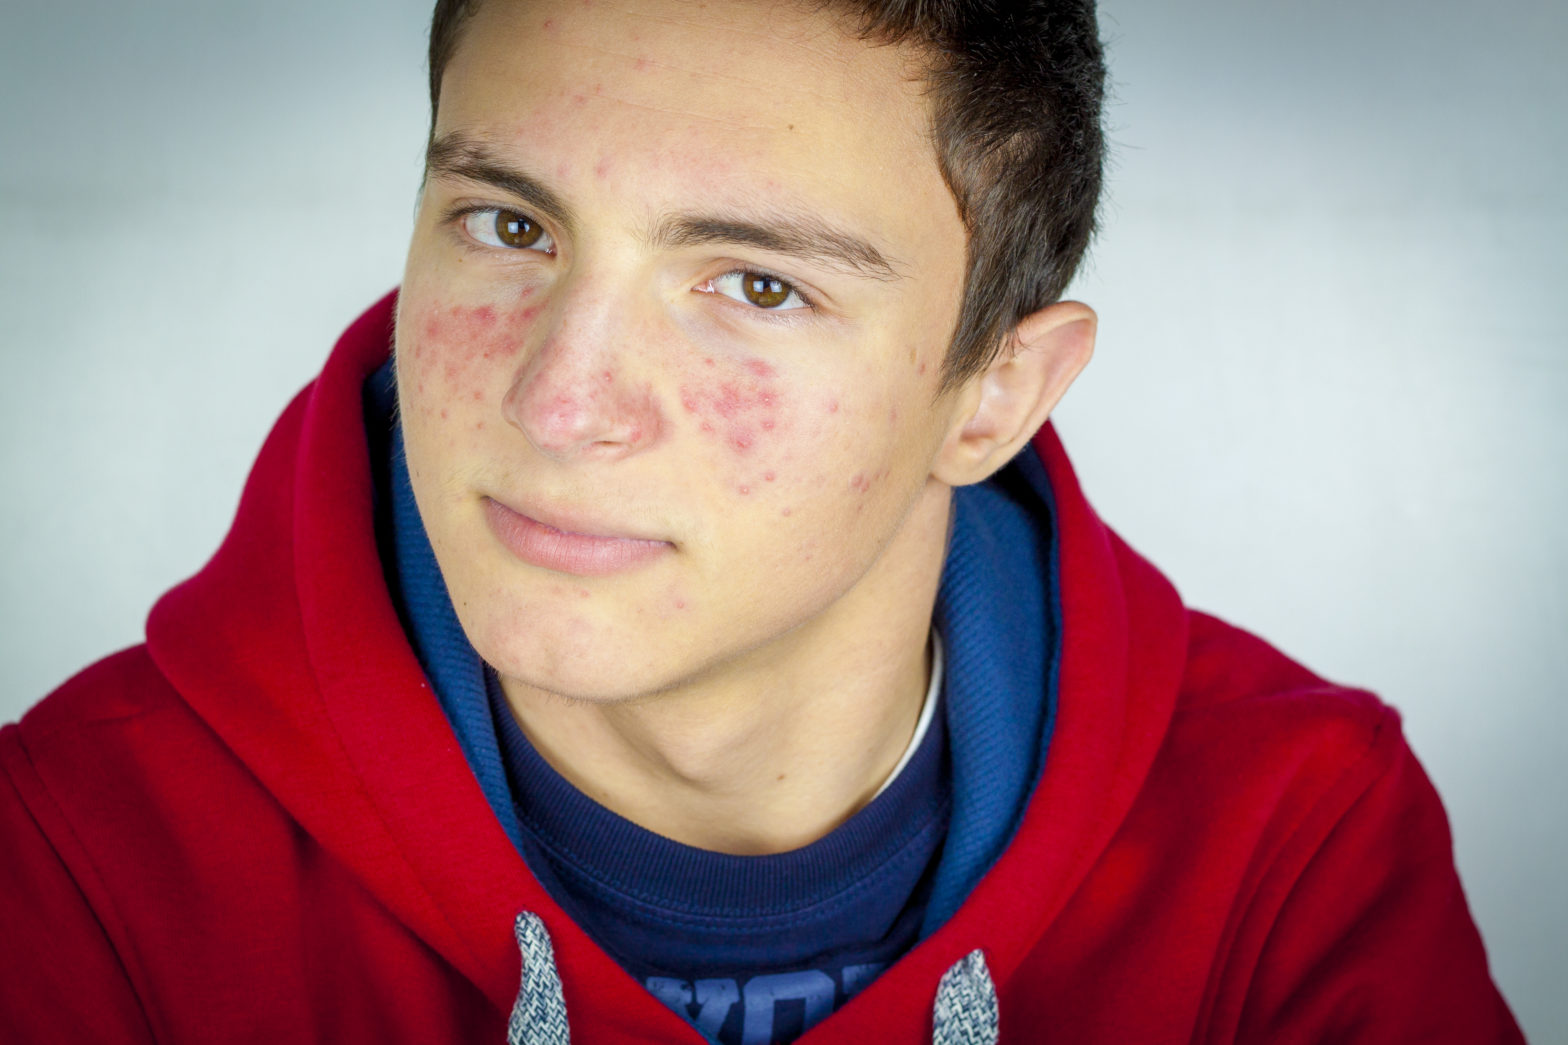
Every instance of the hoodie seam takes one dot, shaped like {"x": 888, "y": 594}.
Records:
{"x": 1353, "y": 767}
{"x": 131, "y": 968}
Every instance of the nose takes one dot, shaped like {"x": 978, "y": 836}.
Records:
{"x": 574, "y": 397}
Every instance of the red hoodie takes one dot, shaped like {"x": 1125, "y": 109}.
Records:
{"x": 258, "y": 826}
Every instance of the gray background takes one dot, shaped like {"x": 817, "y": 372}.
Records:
{"x": 1327, "y": 399}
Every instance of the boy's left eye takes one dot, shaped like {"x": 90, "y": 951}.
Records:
{"x": 759, "y": 289}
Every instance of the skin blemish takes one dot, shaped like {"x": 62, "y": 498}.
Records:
{"x": 744, "y": 490}
{"x": 921, "y": 369}
{"x": 601, "y": 169}
{"x": 832, "y": 406}
{"x": 785, "y": 512}
{"x": 768, "y": 477}
{"x": 443, "y": 413}
{"x": 860, "y": 482}
{"x": 737, "y": 408}
{"x": 582, "y": 593}
{"x": 642, "y": 65}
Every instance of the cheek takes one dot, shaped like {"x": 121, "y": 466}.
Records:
{"x": 451, "y": 353}
{"x": 768, "y": 437}
{"x": 791, "y": 448}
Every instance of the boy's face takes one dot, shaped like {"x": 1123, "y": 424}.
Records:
{"x": 702, "y": 328}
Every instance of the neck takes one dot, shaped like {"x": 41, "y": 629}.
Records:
{"x": 773, "y": 750}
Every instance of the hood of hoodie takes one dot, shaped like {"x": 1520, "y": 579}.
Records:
{"x": 313, "y": 686}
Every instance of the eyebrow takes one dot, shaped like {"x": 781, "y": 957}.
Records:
{"x": 457, "y": 156}
{"x": 792, "y": 234}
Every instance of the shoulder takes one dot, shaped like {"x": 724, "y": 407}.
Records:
{"x": 1258, "y": 739}
{"x": 96, "y": 719}
{"x": 109, "y": 752}
{"x": 121, "y": 686}
{"x": 1234, "y": 678}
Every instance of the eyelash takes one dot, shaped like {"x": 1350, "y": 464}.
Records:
{"x": 459, "y": 215}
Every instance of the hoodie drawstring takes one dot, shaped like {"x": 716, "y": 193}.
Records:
{"x": 965, "y": 1012}
{"x": 539, "y": 1014}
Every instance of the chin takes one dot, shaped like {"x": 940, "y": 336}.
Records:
{"x": 604, "y": 666}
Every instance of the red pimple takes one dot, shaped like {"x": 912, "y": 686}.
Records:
{"x": 582, "y": 593}
{"x": 767, "y": 424}
{"x": 745, "y": 490}
{"x": 921, "y": 369}
{"x": 832, "y": 406}
{"x": 728, "y": 401}
{"x": 478, "y": 395}
{"x": 741, "y": 441}
{"x": 759, "y": 368}
{"x": 607, "y": 377}
{"x": 786, "y": 511}
{"x": 680, "y": 604}
{"x": 443, "y": 413}
{"x": 642, "y": 65}
{"x": 768, "y": 477}
{"x": 708, "y": 362}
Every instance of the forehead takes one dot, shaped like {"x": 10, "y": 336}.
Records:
{"x": 734, "y": 100}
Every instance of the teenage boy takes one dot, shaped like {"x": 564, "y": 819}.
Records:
{"x": 691, "y": 623}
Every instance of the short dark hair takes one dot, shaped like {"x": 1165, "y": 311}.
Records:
{"x": 1016, "y": 89}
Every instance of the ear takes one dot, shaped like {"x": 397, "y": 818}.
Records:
{"x": 1001, "y": 408}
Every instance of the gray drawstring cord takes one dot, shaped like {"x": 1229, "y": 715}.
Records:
{"x": 965, "y": 1012}
{"x": 539, "y": 1014}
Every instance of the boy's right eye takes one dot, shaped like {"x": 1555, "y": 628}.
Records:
{"x": 507, "y": 229}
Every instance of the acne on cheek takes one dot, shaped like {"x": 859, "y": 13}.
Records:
{"x": 740, "y": 408}
{"x": 458, "y": 344}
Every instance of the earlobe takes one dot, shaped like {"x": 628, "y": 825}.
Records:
{"x": 1003, "y": 407}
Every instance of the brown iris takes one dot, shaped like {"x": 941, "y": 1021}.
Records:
{"x": 765, "y": 291}
{"x": 516, "y": 230}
